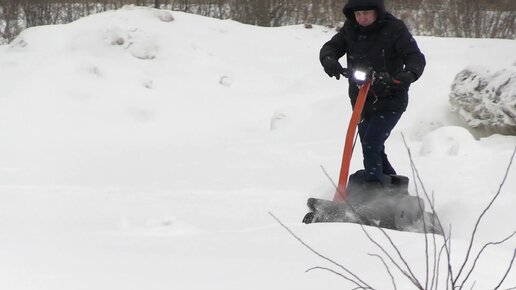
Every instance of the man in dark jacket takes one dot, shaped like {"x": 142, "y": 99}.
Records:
{"x": 374, "y": 39}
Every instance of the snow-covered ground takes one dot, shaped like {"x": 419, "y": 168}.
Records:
{"x": 141, "y": 151}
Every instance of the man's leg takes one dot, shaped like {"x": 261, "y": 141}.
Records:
{"x": 387, "y": 167}
{"x": 374, "y": 131}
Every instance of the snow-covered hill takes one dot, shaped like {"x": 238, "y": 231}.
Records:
{"x": 143, "y": 149}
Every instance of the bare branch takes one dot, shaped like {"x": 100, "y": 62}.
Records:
{"x": 508, "y": 270}
{"x": 386, "y": 268}
{"x": 437, "y": 269}
{"x": 427, "y": 197}
{"x": 364, "y": 284}
{"x": 414, "y": 170}
{"x": 434, "y": 212}
{"x": 449, "y": 274}
{"x": 336, "y": 273}
{"x": 480, "y": 253}
{"x": 482, "y": 215}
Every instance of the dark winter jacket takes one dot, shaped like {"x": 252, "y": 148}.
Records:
{"x": 384, "y": 46}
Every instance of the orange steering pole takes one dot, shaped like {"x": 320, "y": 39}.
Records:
{"x": 341, "y": 193}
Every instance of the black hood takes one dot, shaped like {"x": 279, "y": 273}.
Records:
{"x": 350, "y": 7}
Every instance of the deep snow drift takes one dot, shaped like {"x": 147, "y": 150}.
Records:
{"x": 143, "y": 149}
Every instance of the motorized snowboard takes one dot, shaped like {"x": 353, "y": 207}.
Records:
{"x": 374, "y": 204}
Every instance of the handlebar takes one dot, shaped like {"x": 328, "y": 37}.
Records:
{"x": 361, "y": 76}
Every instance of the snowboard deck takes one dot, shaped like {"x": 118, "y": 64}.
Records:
{"x": 400, "y": 212}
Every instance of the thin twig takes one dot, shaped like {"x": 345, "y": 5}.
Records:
{"x": 508, "y": 270}
{"x": 449, "y": 275}
{"x": 482, "y": 215}
{"x": 364, "y": 284}
{"x": 435, "y": 266}
{"x": 437, "y": 270}
{"x": 436, "y": 216}
{"x": 480, "y": 253}
{"x": 386, "y": 268}
{"x": 336, "y": 273}
{"x": 410, "y": 275}
{"x": 473, "y": 286}
{"x": 434, "y": 212}
{"x": 421, "y": 209}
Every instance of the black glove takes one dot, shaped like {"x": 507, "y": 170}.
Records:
{"x": 333, "y": 68}
{"x": 383, "y": 78}
{"x": 404, "y": 78}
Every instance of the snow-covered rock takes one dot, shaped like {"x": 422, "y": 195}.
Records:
{"x": 486, "y": 100}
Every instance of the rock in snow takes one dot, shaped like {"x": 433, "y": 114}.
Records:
{"x": 486, "y": 101}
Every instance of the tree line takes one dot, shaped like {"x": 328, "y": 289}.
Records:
{"x": 444, "y": 18}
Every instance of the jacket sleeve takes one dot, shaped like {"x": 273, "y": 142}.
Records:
{"x": 335, "y": 47}
{"x": 413, "y": 58}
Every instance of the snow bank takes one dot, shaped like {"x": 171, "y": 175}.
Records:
{"x": 486, "y": 100}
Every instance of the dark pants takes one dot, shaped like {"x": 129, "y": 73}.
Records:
{"x": 374, "y": 130}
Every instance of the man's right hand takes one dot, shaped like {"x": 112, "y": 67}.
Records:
{"x": 333, "y": 68}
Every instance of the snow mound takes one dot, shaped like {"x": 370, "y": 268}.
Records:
{"x": 130, "y": 28}
{"x": 449, "y": 140}
{"x": 486, "y": 101}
